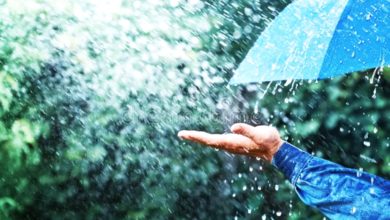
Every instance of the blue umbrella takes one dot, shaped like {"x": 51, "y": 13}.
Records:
{"x": 317, "y": 39}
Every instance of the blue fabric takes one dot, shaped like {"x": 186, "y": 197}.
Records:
{"x": 319, "y": 39}
{"x": 338, "y": 192}
{"x": 361, "y": 39}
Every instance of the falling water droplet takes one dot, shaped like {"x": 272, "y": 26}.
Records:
{"x": 367, "y": 143}
{"x": 248, "y": 11}
{"x": 368, "y": 16}
{"x": 359, "y": 172}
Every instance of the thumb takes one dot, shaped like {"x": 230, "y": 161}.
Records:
{"x": 244, "y": 129}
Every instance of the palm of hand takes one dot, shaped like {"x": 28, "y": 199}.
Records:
{"x": 260, "y": 141}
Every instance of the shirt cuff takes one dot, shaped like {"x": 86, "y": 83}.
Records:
{"x": 291, "y": 161}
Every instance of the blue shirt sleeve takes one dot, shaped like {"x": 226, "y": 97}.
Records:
{"x": 338, "y": 192}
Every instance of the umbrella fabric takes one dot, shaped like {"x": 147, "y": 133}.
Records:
{"x": 316, "y": 39}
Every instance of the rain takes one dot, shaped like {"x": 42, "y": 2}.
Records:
{"x": 93, "y": 94}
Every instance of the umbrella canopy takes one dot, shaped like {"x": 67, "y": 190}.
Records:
{"x": 316, "y": 39}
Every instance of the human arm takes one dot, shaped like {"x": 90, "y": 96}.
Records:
{"x": 338, "y": 192}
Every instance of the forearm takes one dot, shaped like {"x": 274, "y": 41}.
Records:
{"x": 336, "y": 191}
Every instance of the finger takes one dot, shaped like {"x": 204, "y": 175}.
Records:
{"x": 244, "y": 129}
{"x": 228, "y": 142}
{"x": 197, "y": 136}
{"x": 183, "y": 134}
{"x": 202, "y": 137}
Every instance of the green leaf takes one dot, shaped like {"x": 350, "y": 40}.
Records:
{"x": 23, "y": 131}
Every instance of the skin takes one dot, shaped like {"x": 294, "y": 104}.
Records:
{"x": 259, "y": 141}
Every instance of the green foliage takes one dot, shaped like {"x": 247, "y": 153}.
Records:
{"x": 90, "y": 108}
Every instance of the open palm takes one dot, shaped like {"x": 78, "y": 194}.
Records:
{"x": 259, "y": 141}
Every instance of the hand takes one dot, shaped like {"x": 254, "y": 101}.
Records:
{"x": 260, "y": 141}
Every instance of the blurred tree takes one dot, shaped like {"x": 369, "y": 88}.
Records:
{"x": 90, "y": 109}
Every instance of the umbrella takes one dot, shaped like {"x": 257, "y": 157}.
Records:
{"x": 317, "y": 39}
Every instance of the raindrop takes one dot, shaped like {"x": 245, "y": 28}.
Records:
{"x": 248, "y": 29}
{"x": 278, "y": 213}
{"x": 367, "y": 143}
{"x": 368, "y": 159}
{"x": 244, "y": 188}
{"x": 368, "y": 16}
{"x": 237, "y": 34}
{"x": 248, "y": 11}
{"x": 256, "y": 18}
{"x": 374, "y": 94}
{"x": 359, "y": 172}
{"x": 288, "y": 82}
{"x": 276, "y": 187}
{"x": 271, "y": 8}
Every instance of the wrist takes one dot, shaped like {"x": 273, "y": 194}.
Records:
{"x": 290, "y": 160}
{"x": 274, "y": 149}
